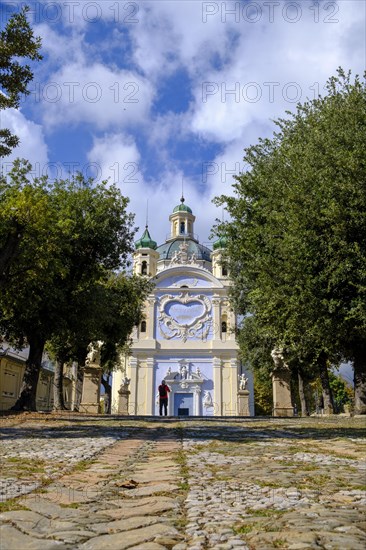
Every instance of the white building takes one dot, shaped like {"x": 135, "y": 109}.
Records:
{"x": 187, "y": 337}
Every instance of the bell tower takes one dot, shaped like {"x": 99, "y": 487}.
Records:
{"x": 219, "y": 267}
{"x": 181, "y": 221}
{"x": 145, "y": 257}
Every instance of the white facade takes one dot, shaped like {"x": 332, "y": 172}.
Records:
{"x": 187, "y": 337}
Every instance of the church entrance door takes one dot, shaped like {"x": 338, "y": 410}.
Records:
{"x": 183, "y": 404}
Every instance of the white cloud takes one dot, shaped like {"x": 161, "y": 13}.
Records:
{"x": 274, "y": 66}
{"x": 97, "y": 95}
{"x": 118, "y": 154}
{"x": 173, "y": 34}
{"x": 117, "y": 157}
{"x": 32, "y": 144}
{"x": 274, "y": 59}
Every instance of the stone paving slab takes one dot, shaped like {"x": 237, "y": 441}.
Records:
{"x": 196, "y": 484}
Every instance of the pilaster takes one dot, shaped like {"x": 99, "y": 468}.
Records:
{"x": 149, "y": 381}
{"x": 234, "y": 384}
{"x": 217, "y": 379}
{"x": 216, "y": 306}
{"x": 133, "y": 386}
{"x": 151, "y": 301}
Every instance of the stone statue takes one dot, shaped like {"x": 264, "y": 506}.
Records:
{"x": 207, "y": 399}
{"x": 175, "y": 258}
{"x": 198, "y": 372}
{"x": 243, "y": 380}
{"x": 278, "y": 359}
{"x": 93, "y": 357}
{"x": 126, "y": 382}
{"x": 183, "y": 372}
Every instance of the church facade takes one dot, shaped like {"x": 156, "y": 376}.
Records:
{"x": 187, "y": 336}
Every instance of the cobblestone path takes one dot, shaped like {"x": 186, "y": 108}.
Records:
{"x": 98, "y": 483}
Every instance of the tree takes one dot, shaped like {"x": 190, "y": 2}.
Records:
{"x": 25, "y": 217}
{"x": 341, "y": 390}
{"x": 125, "y": 300}
{"x": 297, "y": 239}
{"x": 107, "y": 312}
{"x": 17, "y": 43}
{"x": 89, "y": 233}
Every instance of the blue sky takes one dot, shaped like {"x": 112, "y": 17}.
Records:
{"x": 152, "y": 93}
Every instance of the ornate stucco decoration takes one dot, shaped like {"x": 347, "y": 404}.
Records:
{"x": 179, "y": 320}
{"x": 188, "y": 282}
{"x": 185, "y": 377}
{"x": 182, "y": 256}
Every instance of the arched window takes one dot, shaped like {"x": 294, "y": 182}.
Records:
{"x": 224, "y": 271}
{"x": 143, "y": 326}
{"x": 144, "y": 268}
{"x": 224, "y": 326}
{"x": 182, "y": 227}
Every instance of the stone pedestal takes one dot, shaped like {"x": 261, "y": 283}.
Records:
{"x": 282, "y": 402}
{"x": 243, "y": 403}
{"x": 91, "y": 389}
{"x": 123, "y": 400}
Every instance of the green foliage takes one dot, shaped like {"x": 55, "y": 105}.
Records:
{"x": 263, "y": 395}
{"x": 343, "y": 394}
{"x": 17, "y": 43}
{"x": 66, "y": 240}
{"x": 297, "y": 235}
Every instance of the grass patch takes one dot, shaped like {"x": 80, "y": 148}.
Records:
{"x": 317, "y": 481}
{"x": 40, "y": 491}
{"x": 24, "y": 466}
{"x": 307, "y": 468}
{"x": 82, "y": 465}
{"x": 181, "y": 459}
{"x": 271, "y": 484}
{"x": 183, "y": 485}
{"x": 243, "y": 529}
{"x": 264, "y": 512}
{"x": 11, "y": 505}
{"x": 279, "y": 543}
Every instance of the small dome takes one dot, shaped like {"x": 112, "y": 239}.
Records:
{"x": 182, "y": 207}
{"x": 146, "y": 241}
{"x": 220, "y": 243}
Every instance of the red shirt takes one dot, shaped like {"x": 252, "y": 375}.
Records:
{"x": 163, "y": 391}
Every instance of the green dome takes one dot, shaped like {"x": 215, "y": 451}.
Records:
{"x": 220, "y": 243}
{"x": 168, "y": 249}
{"x": 182, "y": 207}
{"x": 146, "y": 241}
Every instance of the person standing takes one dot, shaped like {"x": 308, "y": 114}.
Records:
{"x": 163, "y": 398}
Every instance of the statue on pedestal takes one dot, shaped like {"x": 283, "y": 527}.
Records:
{"x": 281, "y": 385}
{"x": 93, "y": 357}
{"x": 278, "y": 359}
{"x": 125, "y": 382}
{"x": 243, "y": 380}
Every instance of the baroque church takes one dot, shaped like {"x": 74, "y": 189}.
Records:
{"x": 187, "y": 336}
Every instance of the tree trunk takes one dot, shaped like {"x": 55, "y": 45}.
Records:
{"x": 27, "y": 398}
{"x": 304, "y": 408}
{"x": 359, "y": 371}
{"x": 324, "y": 379}
{"x": 108, "y": 392}
{"x": 58, "y": 387}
